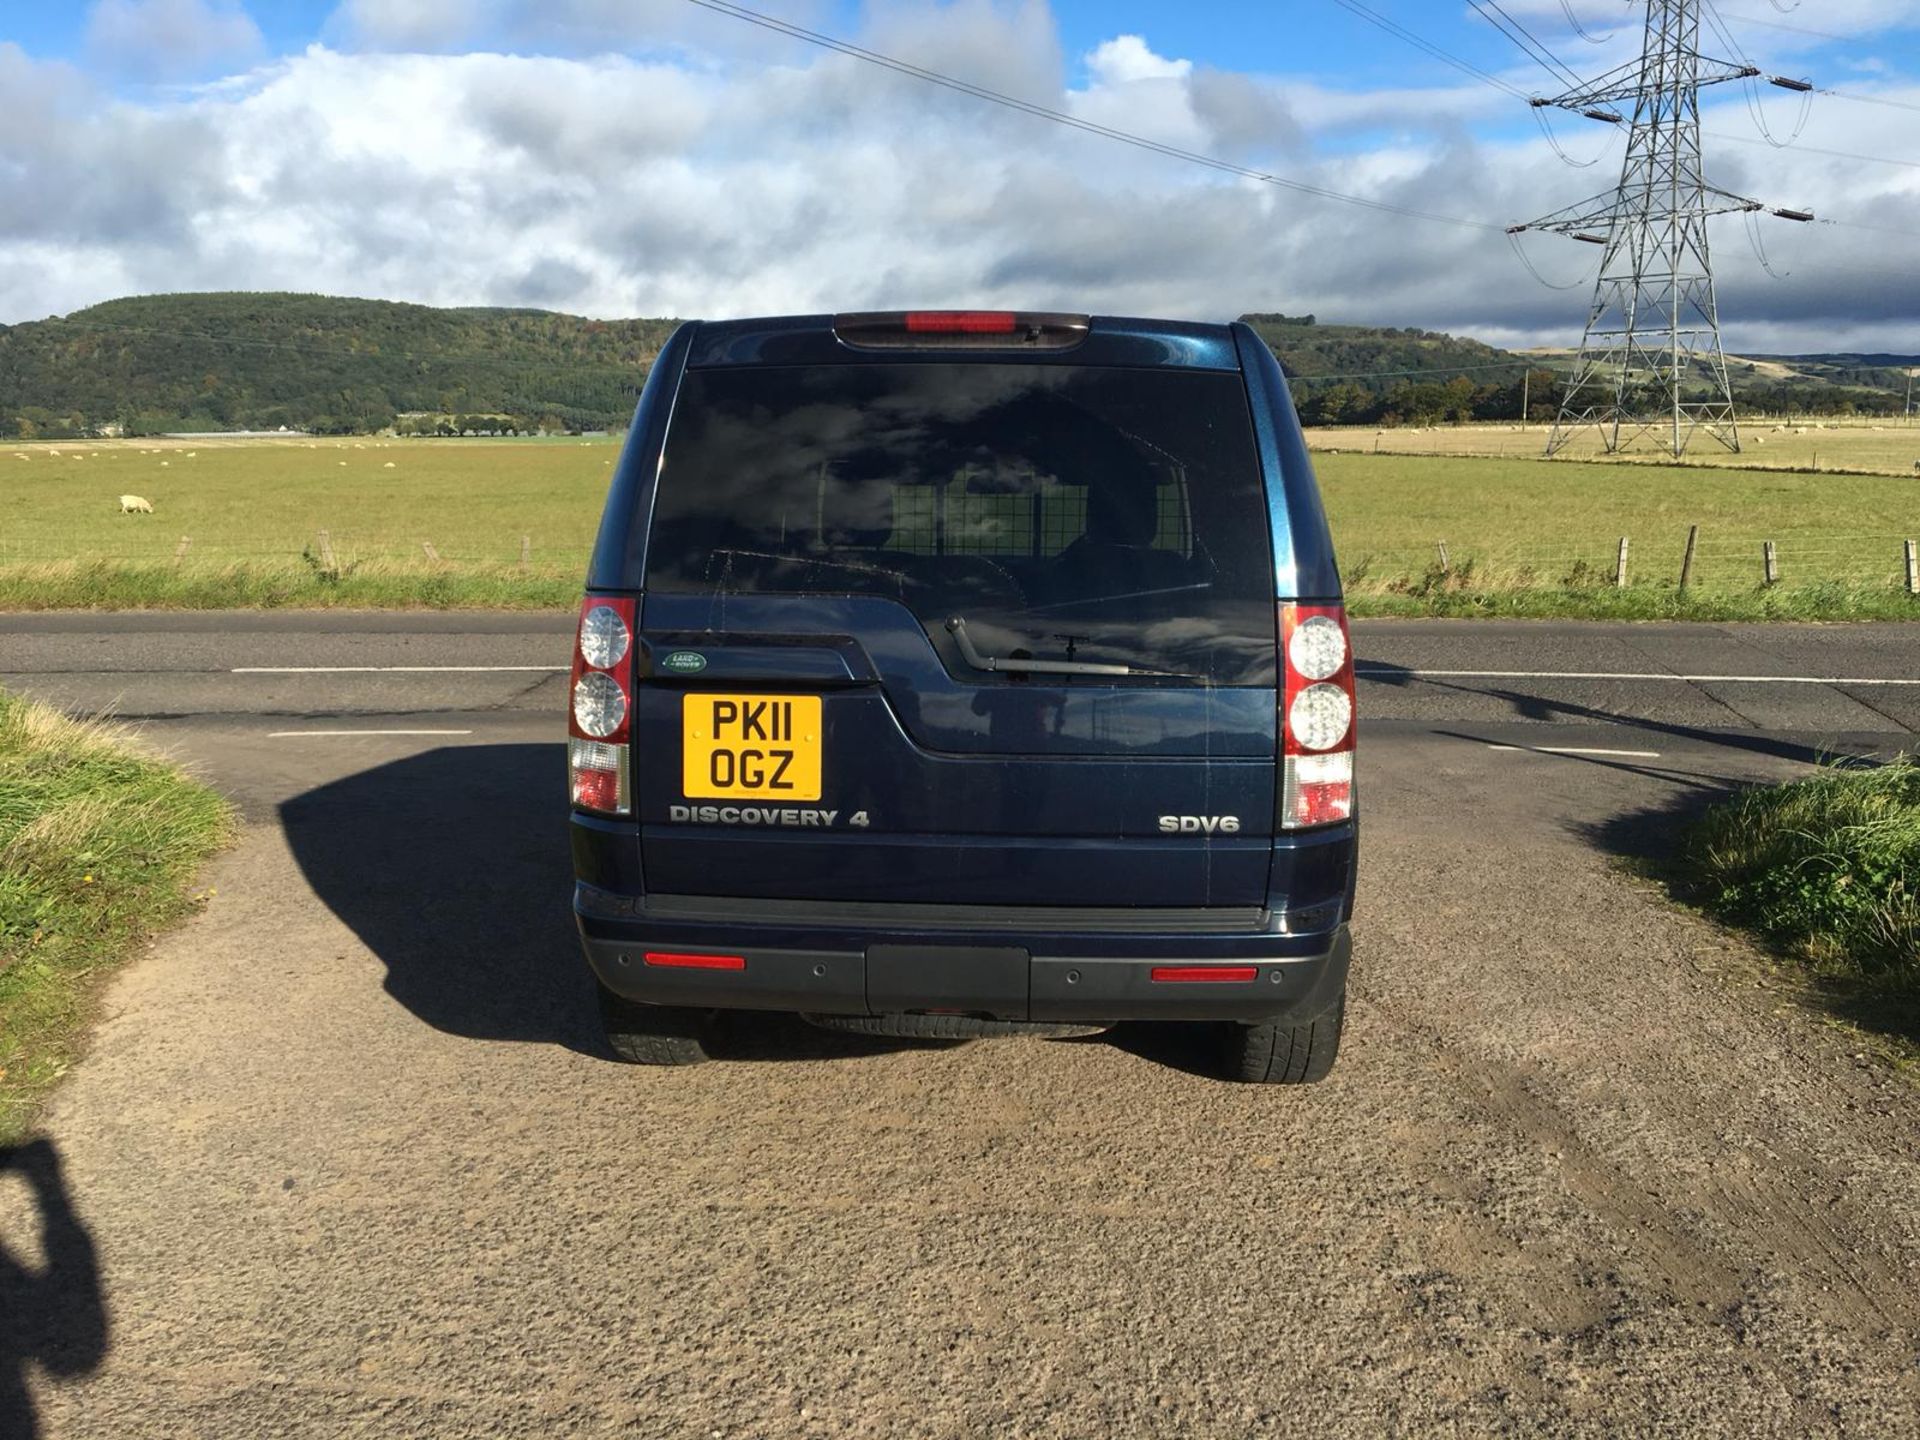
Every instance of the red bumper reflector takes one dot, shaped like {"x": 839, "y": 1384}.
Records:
{"x": 696, "y": 962}
{"x": 960, "y": 322}
{"x": 1206, "y": 974}
{"x": 597, "y": 789}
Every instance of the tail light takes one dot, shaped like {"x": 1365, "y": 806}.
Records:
{"x": 1316, "y": 716}
{"x": 600, "y": 706}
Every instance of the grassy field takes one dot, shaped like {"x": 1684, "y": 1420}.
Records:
{"x": 1530, "y": 537}
{"x": 1523, "y": 537}
{"x": 1886, "y": 447}
{"x": 1828, "y": 870}
{"x": 98, "y": 846}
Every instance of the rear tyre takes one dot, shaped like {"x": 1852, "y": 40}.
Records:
{"x": 1286, "y": 1052}
{"x": 654, "y": 1034}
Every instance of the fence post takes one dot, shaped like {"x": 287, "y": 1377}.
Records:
{"x": 1620, "y": 566}
{"x": 526, "y": 551}
{"x": 1686, "y": 565}
{"x": 1913, "y": 567}
{"x": 180, "y": 550}
{"x": 1770, "y": 558}
{"x": 1446, "y": 565}
{"x": 327, "y": 563}
{"x": 427, "y": 545}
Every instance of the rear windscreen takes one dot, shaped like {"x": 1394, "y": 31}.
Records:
{"x": 1091, "y": 517}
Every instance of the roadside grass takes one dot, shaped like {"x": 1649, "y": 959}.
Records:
{"x": 274, "y": 585}
{"x": 509, "y": 524}
{"x": 98, "y": 849}
{"x": 1827, "y": 871}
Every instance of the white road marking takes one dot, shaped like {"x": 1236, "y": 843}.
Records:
{"x": 1578, "y": 750}
{"x": 394, "y": 669}
{"x": 1371, "y": 672}
{"x": 311, "y": 734}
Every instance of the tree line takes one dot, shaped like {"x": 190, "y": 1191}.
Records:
{"x": 330, "y": 366}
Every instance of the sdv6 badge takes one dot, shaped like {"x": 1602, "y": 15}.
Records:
{"x": 1199, "y": 824}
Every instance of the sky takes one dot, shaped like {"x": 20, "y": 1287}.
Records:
{"x": 653, "y": 157}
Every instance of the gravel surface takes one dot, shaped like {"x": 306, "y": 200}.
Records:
{"x": 354, "y": 1163}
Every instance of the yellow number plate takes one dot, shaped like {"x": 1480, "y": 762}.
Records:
{"x": 751, "y": 747}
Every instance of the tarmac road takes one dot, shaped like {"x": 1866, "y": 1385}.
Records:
{"x": 353, "y": 1162}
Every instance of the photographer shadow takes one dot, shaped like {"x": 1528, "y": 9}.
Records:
{"x": 53, "y": 1315}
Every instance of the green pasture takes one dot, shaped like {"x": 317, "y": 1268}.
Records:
{"x": 266, "y": 501}
{"x": 510, "y": 523}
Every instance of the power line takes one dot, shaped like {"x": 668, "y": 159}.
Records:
{"x": 1073, "y": 122}
{"x": 1860, "y": 99}
{"x": 1566, "y": 7}
{"x": 1711, "y": 13}
{"x": 1791, "y": 29}
{"x": 1491, "y": 12}
{"x": 1399, "y": 31}
{"x": 1393, "y": 27}
{"x": 1800, "y": 149}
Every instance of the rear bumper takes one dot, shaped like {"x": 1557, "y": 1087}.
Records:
{"x": 1000, "y": 969}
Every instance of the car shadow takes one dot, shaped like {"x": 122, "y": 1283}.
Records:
{"x": 452, "y": 866}
{"x": 1190, "y": 1046}
{"x": 1649, "y": 841}
{"x": 1539, "y": 709}
{"x": 53, "y": 1314}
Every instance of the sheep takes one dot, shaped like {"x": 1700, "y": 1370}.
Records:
{"x": 130, "y": 504}
{"x": 388, "y": 465}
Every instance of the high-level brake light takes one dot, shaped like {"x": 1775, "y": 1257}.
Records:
{"x": 960, "y": 330}
{"x": 1316, "y": 716}
{"x": 961, "y": 322}
{"x": 600, "y": 707}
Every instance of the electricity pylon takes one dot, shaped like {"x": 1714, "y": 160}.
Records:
{"x": 1654, "y": 319}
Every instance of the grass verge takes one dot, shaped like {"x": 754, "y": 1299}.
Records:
{"x": 1471, "y": 591}
{"x": 1468, "y": 591}
{"x": 98, "y": 848}
{"x": 1827, "y": 870}
{"x": 264, "y": 585}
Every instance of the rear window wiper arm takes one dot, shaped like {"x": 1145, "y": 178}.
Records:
{"x": 994, "y": 663}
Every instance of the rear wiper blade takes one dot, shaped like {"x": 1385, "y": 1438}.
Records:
{"x": 971, "y": 654}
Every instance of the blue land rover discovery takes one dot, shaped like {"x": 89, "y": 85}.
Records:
{"x": 966, "y": 673}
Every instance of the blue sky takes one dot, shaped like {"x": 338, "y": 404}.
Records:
{"x": 648, "y": 156}
{"x": 1296, "y": 37}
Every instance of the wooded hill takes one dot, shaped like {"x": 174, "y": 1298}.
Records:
{"x": 318, "y": 363}
{"x": 260, "y": 361}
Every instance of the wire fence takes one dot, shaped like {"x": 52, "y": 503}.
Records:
{"x": 1674, "y": 558}
{"x": 1680, "y": 560}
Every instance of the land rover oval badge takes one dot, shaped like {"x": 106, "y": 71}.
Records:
{"x": 684, "y": 662}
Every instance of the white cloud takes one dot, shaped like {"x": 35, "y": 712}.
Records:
{"x": 740, "y": 175}
{"x": 170, "y": 39}
{"x": 1127, "y": 58}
